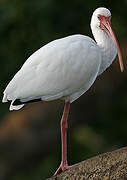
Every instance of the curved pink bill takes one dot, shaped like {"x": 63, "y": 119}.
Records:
{"x": 105, "y": 25}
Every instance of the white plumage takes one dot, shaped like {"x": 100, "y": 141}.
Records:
{"x": 64, "y": 68}
{"x": 61, "y": 69}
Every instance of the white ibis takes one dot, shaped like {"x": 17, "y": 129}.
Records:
{"x": 65, "y": 69}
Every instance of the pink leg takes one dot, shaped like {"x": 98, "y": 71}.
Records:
{"x": 63, "y": 166}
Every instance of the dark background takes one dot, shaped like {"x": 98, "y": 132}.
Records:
{"x": 30, "y": 138}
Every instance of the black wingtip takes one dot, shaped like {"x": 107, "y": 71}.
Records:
{"x": 19, "y": 102}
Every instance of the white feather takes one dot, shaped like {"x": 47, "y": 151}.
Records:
{"x": 59, "y": 69}
{"x": 4, "y": 98}
{"x": 15, "y": 107}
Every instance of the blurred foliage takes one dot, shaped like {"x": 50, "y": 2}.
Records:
{"x": 97, "y": 121}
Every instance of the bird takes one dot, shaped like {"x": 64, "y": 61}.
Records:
{"x": 65, "y": 69}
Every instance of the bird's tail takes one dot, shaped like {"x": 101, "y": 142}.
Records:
{"x": 12, "y": 107}
{"x": 4, "y": 98}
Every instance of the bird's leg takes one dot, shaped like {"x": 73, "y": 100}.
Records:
{"x": 64, "y": 165}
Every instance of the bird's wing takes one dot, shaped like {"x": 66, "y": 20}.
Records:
{"x": 56, "y": 70}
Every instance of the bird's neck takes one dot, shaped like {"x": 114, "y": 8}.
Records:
{"x": 107, "y": 47}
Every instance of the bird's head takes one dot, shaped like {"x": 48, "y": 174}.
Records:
{"x": 101, "y": 22}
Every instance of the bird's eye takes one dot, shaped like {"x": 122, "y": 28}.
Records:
{"x": 98, "y": 17}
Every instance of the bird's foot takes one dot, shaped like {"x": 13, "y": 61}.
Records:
{"x": 62, "y": 167}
